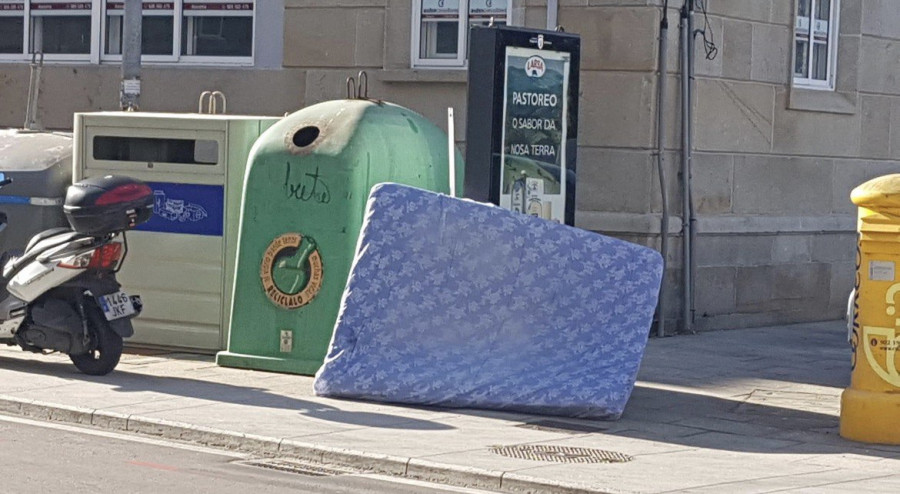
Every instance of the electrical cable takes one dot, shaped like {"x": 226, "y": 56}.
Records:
{"x": 709, "y": 43}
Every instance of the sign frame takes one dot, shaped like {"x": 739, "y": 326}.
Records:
{"x": 488, "y": 114}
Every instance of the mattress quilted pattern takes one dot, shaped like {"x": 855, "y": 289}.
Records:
{"x": 460, "y": 304}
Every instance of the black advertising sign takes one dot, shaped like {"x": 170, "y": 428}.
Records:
{"x": 522, "y": 121}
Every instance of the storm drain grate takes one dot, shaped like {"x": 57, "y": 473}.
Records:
{"x": 289, "y": 466}
{"x": 560, "y": 454}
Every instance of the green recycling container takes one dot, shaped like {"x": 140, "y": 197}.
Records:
{"x": 305, "y": 192}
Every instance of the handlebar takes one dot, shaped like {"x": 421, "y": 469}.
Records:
{"x": 5, "y": 181}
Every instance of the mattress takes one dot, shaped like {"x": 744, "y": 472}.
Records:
{"x": 454, "y": 303}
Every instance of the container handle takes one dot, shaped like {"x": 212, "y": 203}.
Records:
{"x": 212, "y": 99}
{"x": 362, "y": 89}
{"x": 351, "y": 88}
{"x": 204, "y": 94}
{"x": 358, "y": 88}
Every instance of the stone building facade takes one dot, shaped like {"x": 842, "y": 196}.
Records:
{"x": 780, "y": 140}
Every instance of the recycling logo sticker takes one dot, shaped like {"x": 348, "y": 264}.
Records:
{"x": 191, "y": 209}
{"x": 291, "y": 270}
{"x": 177, "y": 209}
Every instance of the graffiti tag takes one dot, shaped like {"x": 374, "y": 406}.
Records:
{"x": 309, "y": 187}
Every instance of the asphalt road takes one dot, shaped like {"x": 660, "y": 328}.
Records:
{"x": 37, "y": 457}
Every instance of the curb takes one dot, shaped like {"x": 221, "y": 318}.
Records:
{"x": 412, "y": 468}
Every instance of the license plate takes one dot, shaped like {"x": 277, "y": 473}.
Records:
{"x": 116, "y": 305}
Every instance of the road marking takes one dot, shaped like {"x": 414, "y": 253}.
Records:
{"x": 123, "y": 437}
{"x": 155, "y": 466}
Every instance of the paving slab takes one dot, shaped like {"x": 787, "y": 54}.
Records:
{"x": 754, "y": 410}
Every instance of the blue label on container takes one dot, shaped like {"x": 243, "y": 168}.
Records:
{"x": 15, "y": 200}
{"x": 186, "y": 208}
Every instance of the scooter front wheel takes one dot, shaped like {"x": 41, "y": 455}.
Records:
{"x": 106, "y": 344}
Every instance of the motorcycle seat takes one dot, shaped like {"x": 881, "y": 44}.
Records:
{"x": 62, "y": 235}
{"x": 46, "y": 234}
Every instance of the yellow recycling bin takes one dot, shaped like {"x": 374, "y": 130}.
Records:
{"x": 870, "y": 407}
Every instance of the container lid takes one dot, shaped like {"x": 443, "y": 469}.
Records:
{"x": 880, "y": 194}
{"x": 23, "y": 150}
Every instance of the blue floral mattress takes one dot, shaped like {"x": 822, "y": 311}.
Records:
{"x": 460, "y": 304}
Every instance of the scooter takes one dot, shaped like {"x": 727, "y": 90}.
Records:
{"x": 61, "y": 293}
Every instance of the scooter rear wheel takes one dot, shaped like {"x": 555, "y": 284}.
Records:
{"x": 106, "y": 343}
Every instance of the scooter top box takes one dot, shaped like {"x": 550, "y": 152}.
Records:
{"x": 108, "y": 204}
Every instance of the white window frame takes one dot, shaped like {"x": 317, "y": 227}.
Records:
{"x": 99, "y": 26}
{"x": 461, "y": 59}
{"x": 809, "y": 82}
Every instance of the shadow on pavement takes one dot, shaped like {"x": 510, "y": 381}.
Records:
{"x": 752, "y": 403}
{"x": 130, "y": 382}
{"x": 810, "y": 353}
{"x": 710, "y": 422}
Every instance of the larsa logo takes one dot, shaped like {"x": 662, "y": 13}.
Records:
{"x": 535, "y": 67}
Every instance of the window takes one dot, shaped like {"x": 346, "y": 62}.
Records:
{"x": 151, "y": 149}
{"x": 60, "y": 27}
{"x": 218, "y": 29}
{"x": 201, "y": 31}
{"x": 157, "y": 28}
{"x": 815, "y": 43}
{"x": 441, "y": 27}
{"x": 12, "y": 26}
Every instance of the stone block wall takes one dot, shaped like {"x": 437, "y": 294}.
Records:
{"x": 773, "y": 164}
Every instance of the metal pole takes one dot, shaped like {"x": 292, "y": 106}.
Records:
{"x": 34, "y": 83}
{"x": 686, "y": 168}
{"x": 692, "y": 218}
{"x": 552, "y": 13}
{"x": 660, "y": 163}
{"x": 451, "y": 151}
{"x": 34, "y": 91}
{"x": 130, "y": 92}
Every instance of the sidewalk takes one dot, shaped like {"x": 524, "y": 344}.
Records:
{"x": 741, "y": 411}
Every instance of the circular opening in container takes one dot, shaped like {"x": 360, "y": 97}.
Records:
{"x": 305, "y": 136}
